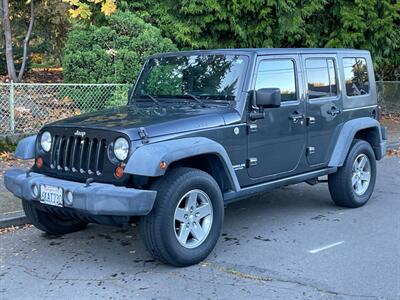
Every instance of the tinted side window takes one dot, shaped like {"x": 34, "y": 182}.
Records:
{"x": 356, "y": 76}
{"x": 278, "y": 74}
{"x": 321, "y": 77}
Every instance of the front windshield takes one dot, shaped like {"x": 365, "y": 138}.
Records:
{"x": 207, "y": 77}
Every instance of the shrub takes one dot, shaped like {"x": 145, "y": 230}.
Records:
{"x": 113, "y": 53}
{"x": 119, "y": 98}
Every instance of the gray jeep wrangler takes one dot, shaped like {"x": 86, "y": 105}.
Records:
{"x": 202, "y": 129}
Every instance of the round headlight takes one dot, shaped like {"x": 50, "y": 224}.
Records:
{"x": 121, "y": 148}
{"x": 45, "y": 141}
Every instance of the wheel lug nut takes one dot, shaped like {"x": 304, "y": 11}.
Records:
{"x": 197, "y": 215}
{"x": 185, "y": 216}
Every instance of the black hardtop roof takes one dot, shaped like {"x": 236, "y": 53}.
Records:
{"x": 266, "y": 51}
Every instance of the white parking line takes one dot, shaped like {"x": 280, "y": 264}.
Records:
{"x": 313, "y": 251}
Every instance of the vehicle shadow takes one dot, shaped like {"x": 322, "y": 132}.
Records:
{"x": 122, "y": 248}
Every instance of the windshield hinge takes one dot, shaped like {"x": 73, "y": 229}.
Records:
{"x": 256, "y": 115}
{"x": 143, "y": 135}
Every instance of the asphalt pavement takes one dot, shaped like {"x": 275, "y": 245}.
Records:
{"x": 291, "y": 243}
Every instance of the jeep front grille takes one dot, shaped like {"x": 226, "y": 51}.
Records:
{"x": 78, "y": 154}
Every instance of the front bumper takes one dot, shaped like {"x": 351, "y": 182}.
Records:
{"x": 95, "y": 199}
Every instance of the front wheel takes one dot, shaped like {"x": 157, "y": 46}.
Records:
{"x": 186, "y": 220}
{"x": 352, "y": 185}
{"x": 49, "y": 223}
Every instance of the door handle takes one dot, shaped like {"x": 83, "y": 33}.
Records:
{"x": 334, "y": 111}
{"x": 296, "y": 116}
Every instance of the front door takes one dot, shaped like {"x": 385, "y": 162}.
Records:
{"x": 324, "y": 106}
{"x": 276, "y": 143}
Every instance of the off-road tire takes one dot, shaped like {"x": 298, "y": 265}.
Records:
{"x": 157, "y": 228}
{"x": 50, "y": 223}
{"x": 340, "y": 183}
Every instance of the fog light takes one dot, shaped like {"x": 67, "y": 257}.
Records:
{"x": 163, "y": 165}
{"x": 35, "y": 191}
{"x": 39, "y": 162}
{"x": 69, "y": 198}
{"x": 119, "y": 172}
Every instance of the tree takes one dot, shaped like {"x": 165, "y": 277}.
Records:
{"x": 84, "y": 9}
{"x": 112, "y": 53}
{"x": 367, "y": 24}
{"x": 40, "y": 26}
{"x": 52, "y": 24}
{"x": 8, "y": 41}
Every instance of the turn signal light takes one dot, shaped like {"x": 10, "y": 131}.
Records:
{"x": 39, "y": 162}
{"x": 119, "y": 172}
{"x": 163, "y": 165}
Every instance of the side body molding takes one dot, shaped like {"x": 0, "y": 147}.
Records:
{"x": 146, "y": 159}
{"x": 26, "y": 148}
{"x": 346, "y": 136}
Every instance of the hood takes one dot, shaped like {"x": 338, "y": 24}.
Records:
{"x": 156, "y": 120}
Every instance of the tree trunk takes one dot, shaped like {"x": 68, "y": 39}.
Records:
{"x": 26, "y": 43}
{"x": 7, "y": 35}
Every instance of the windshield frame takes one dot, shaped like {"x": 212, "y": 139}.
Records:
{"x": 240, "y": 85}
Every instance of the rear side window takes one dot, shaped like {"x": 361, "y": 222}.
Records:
{"x": 280, "y": 74}
{"x": 321, "y": 78}
{"x": 356, "y": 76}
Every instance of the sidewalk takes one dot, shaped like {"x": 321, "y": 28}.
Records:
{"x": 11, "y": 210}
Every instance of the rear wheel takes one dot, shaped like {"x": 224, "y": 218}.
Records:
{"x": 352, "y": 185}
{"x": 50, "y": 223}
{"x": 186, "y": 220}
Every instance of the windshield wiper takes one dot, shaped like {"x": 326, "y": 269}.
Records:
{"x": 152, "y": 98}
{"x": 191, "y": 96}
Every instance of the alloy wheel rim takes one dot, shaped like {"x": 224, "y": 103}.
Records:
{"x": 361, "y": 174}
{"x": 193, "y": 218}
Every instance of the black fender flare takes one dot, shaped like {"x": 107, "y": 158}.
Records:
{"x": 26, "y": 148}
{"x": 146, "y": 159}
{"x": 346, "y": 137}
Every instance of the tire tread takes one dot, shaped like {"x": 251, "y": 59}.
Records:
{"x": 48, "y": 223}
{"x": 165, "y": 185}
{"x": 338, "y": 184}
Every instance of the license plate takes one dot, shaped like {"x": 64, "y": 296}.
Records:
{"x": 51, "y": 195}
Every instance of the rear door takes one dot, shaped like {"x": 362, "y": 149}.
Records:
{"x": 324, "y": 106}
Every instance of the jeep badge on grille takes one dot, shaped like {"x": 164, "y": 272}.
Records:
{"x": 80, "y": 133}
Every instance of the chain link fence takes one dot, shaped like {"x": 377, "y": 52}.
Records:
{"x": 25, "y": 108}
{"x": 389, "y": 97}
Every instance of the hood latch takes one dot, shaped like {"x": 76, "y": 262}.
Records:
{"x": 143, "y": 135}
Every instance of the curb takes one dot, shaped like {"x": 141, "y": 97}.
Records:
{"x": 394, "y": 145}
{"x": 15, "y": 219}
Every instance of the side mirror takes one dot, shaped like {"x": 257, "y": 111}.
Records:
{"x": 268, "y": 97}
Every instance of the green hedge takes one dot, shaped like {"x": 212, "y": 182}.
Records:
{"x": 113, "y": 53}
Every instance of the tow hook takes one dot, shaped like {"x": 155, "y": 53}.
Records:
{"x": 89, "y": 181}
